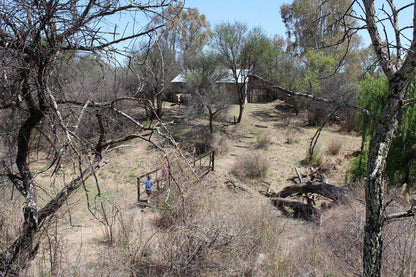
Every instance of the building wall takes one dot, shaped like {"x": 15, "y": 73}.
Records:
{"x": 229, "y": 90}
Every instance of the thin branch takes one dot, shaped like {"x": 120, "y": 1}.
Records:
{"x": 400, "y": 215}
{"x": 409, "y": 102}
{"x": 329, "y": 101}
{"x": 105, "y": 45}
{"x": 315, "y": 138}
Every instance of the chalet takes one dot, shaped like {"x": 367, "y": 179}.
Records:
{"x": 258, "y": 89}
{"x": 225, "y": 83}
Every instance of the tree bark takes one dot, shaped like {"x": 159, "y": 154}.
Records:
{"x": 24, "y": 249}
{"x": 211, "y": 118}
{"x": 399, "y": 74}
{"x": 159, "y": 105}
{"x": 300, "y": 209}
{"x": 241, "y": 109}
{"x": 324, "y": 189}
{"x": 374, "y": 195}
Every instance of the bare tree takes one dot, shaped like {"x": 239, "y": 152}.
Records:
{"x": 34, "y": 35}
{"x": 206, "y": 92}
{"x": 229, "y": 40}
{"x": 399, "y": 69}
{"x": 153, "y": 67}
{"x": 398, "y": 61}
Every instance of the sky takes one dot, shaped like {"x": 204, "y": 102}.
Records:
{"x": 266, "y": 14}
{"x": 255, "y": 13}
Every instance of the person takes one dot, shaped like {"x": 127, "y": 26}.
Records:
{"x": 166, "y": 169}
{"x": 148, "y": 186}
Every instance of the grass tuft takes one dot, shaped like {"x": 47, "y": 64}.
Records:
{"x": 251, "y": 166}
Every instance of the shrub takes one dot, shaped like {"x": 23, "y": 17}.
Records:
{"x": 314, "y": 159}
{"x": 263, "y": 140}
{"x": 334, "y": 147}
{"x": 358, "y": 167}
{"x": 219, "y": 143}
{"x": 251, "y": 166}
{"x": 291, "y": 136}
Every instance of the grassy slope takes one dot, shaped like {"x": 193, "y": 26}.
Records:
{"x": 84, "y": 244}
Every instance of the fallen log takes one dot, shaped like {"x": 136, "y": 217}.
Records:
{"x": 324, "y": 189}
{"x": 300, "y": 209}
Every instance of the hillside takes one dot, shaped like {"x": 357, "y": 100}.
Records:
{"x": 236, "y": 220}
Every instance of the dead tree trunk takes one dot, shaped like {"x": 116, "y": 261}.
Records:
{"x": 324, "y": 189}
{"x": 300, "y": 209}
{"x": 305, "y": 210}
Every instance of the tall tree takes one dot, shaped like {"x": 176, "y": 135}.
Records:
{"x": 153, "y": 67}
{"x": 228, "y": 41}
{"x": 202, "y": 80}
{"x": 34, "y": 36}
{"x": 316, "y": 24}
{"x": 187, "y": 31}
{"x": 240, "y": 50}
{"x": 398, "y": 62}
{"x": 317, "y": 33}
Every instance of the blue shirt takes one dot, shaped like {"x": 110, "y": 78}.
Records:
{"x": 148, "y": 184}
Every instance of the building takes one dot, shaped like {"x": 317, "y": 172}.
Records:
{"x": 226, "y": 83}
{"x": 258, "y": 89}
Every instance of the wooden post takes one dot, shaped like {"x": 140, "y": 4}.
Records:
{"x": 157, "y": 181}
{"x": 138, "y": 189}
{"x": 212, "y": 160}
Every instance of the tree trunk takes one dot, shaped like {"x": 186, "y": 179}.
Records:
{"x": 211, "y": 118}
{"x": 26, "y": 247}
{"x": 240, "y": 113}
{"x": 373, "y": 241}
{"x": 159, "y": 105}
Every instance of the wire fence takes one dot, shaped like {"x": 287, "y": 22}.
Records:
{"x": 205, "y": 161}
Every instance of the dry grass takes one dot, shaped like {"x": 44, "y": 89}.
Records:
{"x": 253, "y": 165}
{"x": 219, "y": 143}
{"x": 263, "y": 140}
{"x": 203, "y": 229}
{"x": 236, "y": 239}
{"x": 334, "y": 146}
{"x": 314, "y": 159}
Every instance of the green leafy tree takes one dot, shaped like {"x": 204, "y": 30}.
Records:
{"x": 373, "y": 93}
{"x": 316, "y": 24}
{"x": 327, "y": 53}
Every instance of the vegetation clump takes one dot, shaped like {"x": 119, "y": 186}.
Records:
{"x": 263, "y": 140}
{"x": 253, "y": 165}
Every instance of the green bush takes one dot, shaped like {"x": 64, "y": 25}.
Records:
{"x": 358, "y": 167}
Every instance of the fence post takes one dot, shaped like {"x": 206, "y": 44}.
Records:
{"x": 157, "y": 180}
{"x": 138, "y": 189}
{"x": 212, "y": 160}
